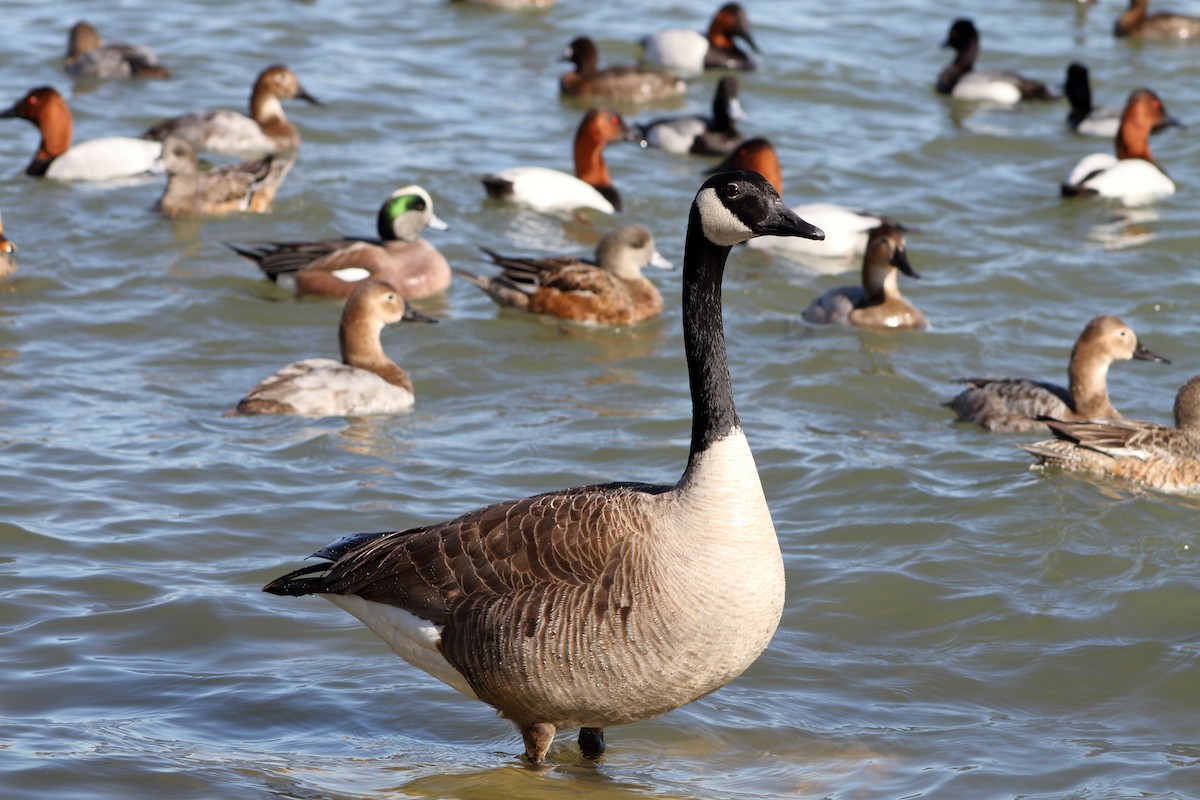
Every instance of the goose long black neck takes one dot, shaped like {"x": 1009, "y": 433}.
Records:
{"x": 713, "y": 412}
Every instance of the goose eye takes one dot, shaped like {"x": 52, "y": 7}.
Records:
{"x": 731, "y": 191}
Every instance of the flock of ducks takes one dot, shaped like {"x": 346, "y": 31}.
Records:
{"x": 602, "y": 605}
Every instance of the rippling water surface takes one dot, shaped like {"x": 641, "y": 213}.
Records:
{"x": 956, "y": 626}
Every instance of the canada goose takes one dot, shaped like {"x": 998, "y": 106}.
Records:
{"x": 599, "y": 605}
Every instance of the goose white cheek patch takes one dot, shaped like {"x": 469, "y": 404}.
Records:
{"x": 719, "y": 223}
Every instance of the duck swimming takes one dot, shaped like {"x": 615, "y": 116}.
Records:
{"x": 691, "y": 52}
{"x": 89, "y": 57}
{"x": 626, "y": 84}
{"x": 878, "y": 302}
{"x": 960, "y": 79}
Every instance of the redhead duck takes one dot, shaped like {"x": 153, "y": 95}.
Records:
{"x": 550, "y": 190}
{"x": 89, "y": 57}
{"x": 574, "y": 588}
{"x": 845, "y": 229}
{"x": 708, "y": 136}
{"x": 1016, "y": 404}
{"x": 691, "y": 52}
{"x": 266, "y": 130}
{"x": 1084, "y": 117}
{"x": 250, "y": 186}
{"x": 8, "y": 262}
{"x": 608, "y": 291}
{"x": 1153, "y": 455}
{"x": 1135, "y": 21}
{"x": 620, "y": 84}
{"x": 333, "y": 267}
{"x": 960, "y": 79}
{"x": 878, "y": 302}
{"x": 365, "y": 381}
{"x": 94, "y": 160}
{"x": 1132, "y": 176}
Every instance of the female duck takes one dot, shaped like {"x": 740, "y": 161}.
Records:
{"x": 690, "y": 52}
{"x": 94, "y": 160}
{"x": 878, "y": 302}
{"x": 550, "y": 190}
{"x": 333, "y": 267}
{"x": 708, "y": 136}
{"x": 365, "y": 381}
{"x": 1158, "y": 456}
{"x": 1135, "y": 21}
{"x": 619, "y": 84}
{"x": 1016, "y": 404}
{"x": 960, "y": 79}
{"x": 89, "y": 57}
{"x": 1084, "y": 117}
{"x": 1133, "y": 176}
{"x": 8, "y": 262}
{"x": 600, "y": 605}
{"x": 266, "y": 130}
{"x": 608, "y": 291}
{"x": 250, "y": 186}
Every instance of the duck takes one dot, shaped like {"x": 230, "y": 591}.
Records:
{"x": 707, "y": 136}
{"x": 1158, "y": 456}
{"x": 103, "y": 159}
{"x": 626, "y": 84}
{"x": 333, "y": 267}
{"x": 266, "y": 130}
{"x": 249, "y": 186}
{"x": 610, "y": 290}
{"x": 1084, "y": 117}
{"x": 1010, "y": 405}
{"x": 690, "y": 52}
{"x": 8, "y": 261}
{"x": 1132, "y": 176}
{"x": 89, "y": 57}
{"x": 606, "y": 604}
{"x": 364, "y": 382}
{"x": 878, "y": 302}
{"x": 550, "y": 190}
{"x": 846, "y": 229}
{"x": 960, "y": 79}
{"x": 1136, "y": 21}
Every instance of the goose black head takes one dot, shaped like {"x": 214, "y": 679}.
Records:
{"x": 740, "y": 205}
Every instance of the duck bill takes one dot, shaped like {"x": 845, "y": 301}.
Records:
{"x": 736, "y": 111}
{"x": 748, "y": 39}
{"x": 303, "y": 95}
{"x": 1168, "y": 122}
{"x": 900, "y": 261}
{"x": 412, "y": 315}
{"x": 657, "y": 260}
{"x": 437, "y": 223}
{"x": 1143, "y": 353}
{"x": 782, "y": 221}
{"x": 10, "y": 112}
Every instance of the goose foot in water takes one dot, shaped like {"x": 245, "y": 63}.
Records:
{"x": 591, "y": 742}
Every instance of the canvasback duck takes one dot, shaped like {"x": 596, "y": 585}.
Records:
{"x": 606, "y": 604}
{"x": 961, "y": 80}
{"x": 333, "y": 267}
{"x": 249, "y": 186}
{"x": 846, "y": 230}
{"x": 1084, "y": 117}
{"x": 691, "y": 52}
{"x": 1132, "y": 176}
{"x": 708, "y": 136}
{"x": 8, "y": 261}
{"x": 626, "y": 84}
{"x": 1146, "y": 453}
{"x": 266, "y": 130}
{"x": 608, "y": 291}
{"x": 550, "y": 190}
{"x": 1136, "y": 21}
{"x": 364, "y": 382}
{"x": 878, "y": 302}
{"x": 94, "y": 160}
{"x": 1012, "y": 405}
{"x": 89, "y": 57}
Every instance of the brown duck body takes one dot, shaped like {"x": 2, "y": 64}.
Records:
{"x": 627, "y": 84}
{"x": 250, "y": 186}
{"x": 1136, "y": 21}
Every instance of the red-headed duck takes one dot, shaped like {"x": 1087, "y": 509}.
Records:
{"x": 266, "y": 130}
{"x": 691, "y": 52}
{"x": 8, "y": 261}
{"x": 1136, "y": 21}
{"x": 1010, "y": 405}
{"x": 1084, "y": 117}
{"x": 610, "y": 290}
{"x": 89, "y": 57}
{"x": 709, "y": 136}
{"x": 960, "y": 79}
{"x": 94, "y": 160}
{"x": 626, "y": 84}
{"x": 364, "y": 382}
{"x": 249, "y": 186}
{"x": 846, "y": 230}
{"x": 878, "y": 302}
{"x": 1146, "y": 453}
{"x": 550, "y": 190}
{"x": 333, "y": 267}
{"x": 1132, "y": 175}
